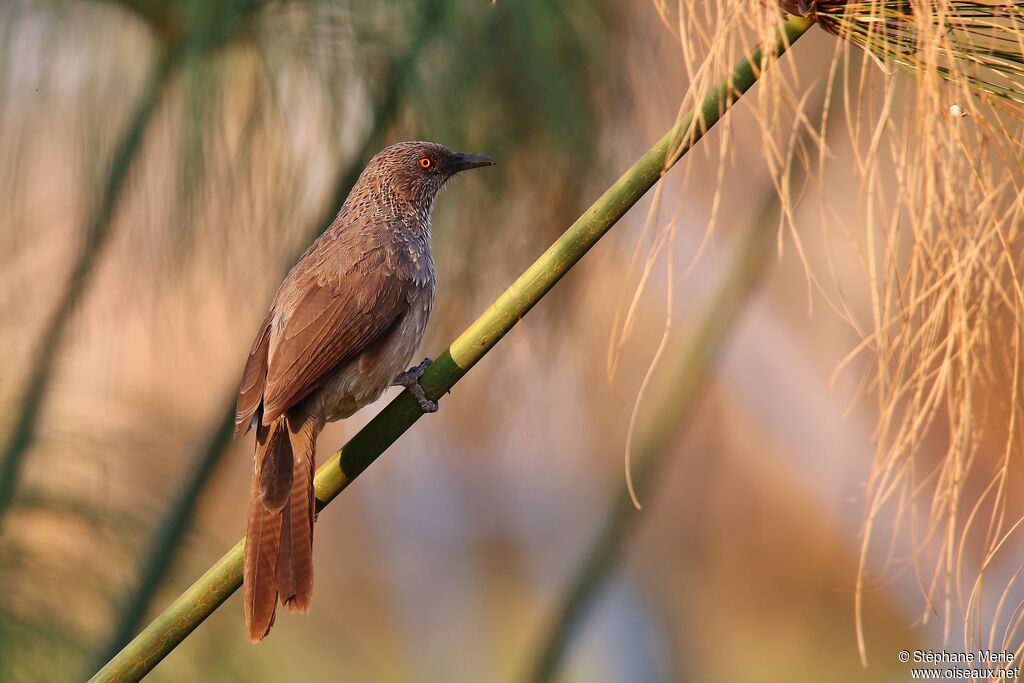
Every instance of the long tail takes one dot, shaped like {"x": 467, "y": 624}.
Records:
{"x": 279, "y": 534}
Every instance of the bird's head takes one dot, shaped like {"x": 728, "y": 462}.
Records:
{"x": 415, "y": 172}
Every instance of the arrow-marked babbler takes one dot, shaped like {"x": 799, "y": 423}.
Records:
{"x": 344, "y": 325}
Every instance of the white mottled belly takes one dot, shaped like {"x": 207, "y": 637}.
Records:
{"x": 362, "y": 380}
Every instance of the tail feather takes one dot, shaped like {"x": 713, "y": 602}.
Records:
{"x": 296, "y": 565}
{"x": 274, "y": 465}
{"x": 262, "y": 542}
{"x": 279, "y": 535}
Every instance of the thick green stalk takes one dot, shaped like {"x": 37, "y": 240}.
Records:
{"x": 162, "y": 550}
{"x": 670, "y": 419}
{"x": 96, "y": 235}
{"x": 397, "y": 80}
{"x": 221, "y": 580}
{"x": 684, "y": 383}
{"x": 161, "y": 554}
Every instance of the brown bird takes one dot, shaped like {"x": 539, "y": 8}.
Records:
{"x": 344, "y": 324}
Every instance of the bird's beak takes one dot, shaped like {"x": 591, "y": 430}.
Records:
{"x": 463, "y": 161}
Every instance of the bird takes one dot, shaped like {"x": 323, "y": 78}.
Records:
{"x": 343, "y": 327}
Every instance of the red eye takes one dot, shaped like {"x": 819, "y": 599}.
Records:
{"x": 425, "y": 162}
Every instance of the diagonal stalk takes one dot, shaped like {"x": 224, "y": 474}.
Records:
{"x": 675, "y": 408}
{"x": 96, "y": 236}
{"x": 398, "y": 77}
{"x": 204, "y": 596}
{"x": 670, "y": 419}
{"x": 160, "y": 557}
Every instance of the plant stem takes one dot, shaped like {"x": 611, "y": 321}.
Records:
{"x": 671, "y": 417}
{"x": 161, "y": 554}
{"x": 96, "y": 236}
{"x": 397, "y": 79}
{"x": 670, "y": 420}
{"x": 220, "y": 581}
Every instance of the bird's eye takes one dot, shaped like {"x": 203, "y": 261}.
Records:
{"x": 425, "y": 162}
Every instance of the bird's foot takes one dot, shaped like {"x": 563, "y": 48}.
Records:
{"x": 410, "y": 380}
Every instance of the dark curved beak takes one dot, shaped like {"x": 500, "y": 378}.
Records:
{"x": 463, "y": 161}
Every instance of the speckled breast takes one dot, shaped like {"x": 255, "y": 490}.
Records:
{"x": 362, "y": 380}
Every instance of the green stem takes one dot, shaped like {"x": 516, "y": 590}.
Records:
{"x": 162, "y": 550}
{"x": 96, "y": 236}
{"x": 161, "y": 555}
{"x": 386, "y": 111}
{"x": 220, "y": 581}
{"x": 684, "y": 384}
{"x": 669, "y": 421}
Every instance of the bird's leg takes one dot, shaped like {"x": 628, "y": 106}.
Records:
{"x": 410, "y": 380}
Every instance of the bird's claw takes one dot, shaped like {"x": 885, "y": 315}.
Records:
{"x": 410, "y": 380}
{"x": 426, "y": 405}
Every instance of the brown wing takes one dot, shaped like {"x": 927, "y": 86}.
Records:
{"x": 250, "y": 391}
{"x": 328, "y": 319}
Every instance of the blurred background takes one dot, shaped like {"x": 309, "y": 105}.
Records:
{"x": 162, "y": 164}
